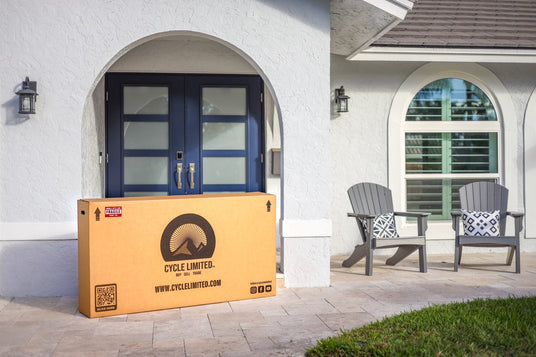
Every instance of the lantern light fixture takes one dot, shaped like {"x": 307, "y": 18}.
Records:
{"x": 341, "y": 100}
{"x": 27, "y": 97}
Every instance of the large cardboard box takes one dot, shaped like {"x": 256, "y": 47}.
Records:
{"x": 151, "y": 253}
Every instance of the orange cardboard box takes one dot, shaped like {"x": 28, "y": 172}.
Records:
{"x": 151, "y": 253}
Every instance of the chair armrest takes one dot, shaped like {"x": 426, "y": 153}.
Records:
{"x": 518, "y": 217}
{"x": 422, "y": 220}
{"x": 412, "y": 214}
{"x": 456, "y": 213}
{"x": 515, "y": 214}
{"x": 455, "y": 220}
{"x": 358, "y": 215}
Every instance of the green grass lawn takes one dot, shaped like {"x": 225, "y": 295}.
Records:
{"x": 505, "y": 327}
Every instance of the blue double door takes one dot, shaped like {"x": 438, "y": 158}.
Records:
{"x": 177, "y": 134}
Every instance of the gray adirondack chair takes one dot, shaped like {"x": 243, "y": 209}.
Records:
{"x": 370, "y": 200}
{"x": 487, "y": 197}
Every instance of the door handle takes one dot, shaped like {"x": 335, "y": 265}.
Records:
{"x": 179, "y": 176}
{"x": 191, "y": 171}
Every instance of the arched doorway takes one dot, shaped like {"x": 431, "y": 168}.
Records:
{"x": 182, "y": 55}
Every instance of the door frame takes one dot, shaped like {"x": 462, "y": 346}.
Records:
{"x": 185, "y": 109}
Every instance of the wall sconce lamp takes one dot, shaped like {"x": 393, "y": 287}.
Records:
{"x": 341, "y": 100}
{"x": 27, "y": 97}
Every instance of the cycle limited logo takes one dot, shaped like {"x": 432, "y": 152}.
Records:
{"x": 186, "y": 237}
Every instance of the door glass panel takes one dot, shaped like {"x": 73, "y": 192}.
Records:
{"x": 148, "y": 193}
{"x": 224, "y": 136}
{"x": 224, "y": 170}
{"x": 224, "y": 101}
{"x": 146, "y": 135}
{"x": 145, "y": 100}
{"x": 146, "y": 171}
{"x": 156, "y": 121}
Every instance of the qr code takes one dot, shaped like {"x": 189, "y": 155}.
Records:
{"x": 105, "y": 297}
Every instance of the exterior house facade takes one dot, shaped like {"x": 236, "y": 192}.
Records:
{"x": 444, "y": 98}
{"x": 281, "y": 60}
{"x": 80, "y": 52}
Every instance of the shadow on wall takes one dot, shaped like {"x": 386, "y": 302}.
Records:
{"x": 39, "y": 268}
{"x": 12, "y": 115}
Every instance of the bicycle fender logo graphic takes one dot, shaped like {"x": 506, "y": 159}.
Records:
{"x": 188, "y": 236}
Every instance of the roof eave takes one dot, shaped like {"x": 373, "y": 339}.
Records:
{"x": 397, "y": 8}
{"x": 431, "y": 54}
{"x": 355, "y": 24}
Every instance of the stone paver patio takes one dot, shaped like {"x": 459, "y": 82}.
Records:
{"x": 284, "y": 325}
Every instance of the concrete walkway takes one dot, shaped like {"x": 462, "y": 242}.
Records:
{"x": 284, "y": 325}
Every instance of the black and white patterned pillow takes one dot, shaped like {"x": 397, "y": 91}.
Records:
{"x": 383, "y": 226}
{"x": 484, "y": 224}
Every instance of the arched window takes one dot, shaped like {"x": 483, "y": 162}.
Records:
{"x": 451, "y": 138}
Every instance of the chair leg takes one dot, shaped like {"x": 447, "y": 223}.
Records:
{"x": 457, "y": 255}
{"x": 422, "y": 259}
{"x": 368, "y": 261}
{"x": 511, "y": 252}
{"x": 359, "y": 253}
{"x": 401, "y": 253}
{"x": 510, "y": 255}
{"x": 518, "y": 260}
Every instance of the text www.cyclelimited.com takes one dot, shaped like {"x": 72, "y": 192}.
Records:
{"x": 187, "y": 286}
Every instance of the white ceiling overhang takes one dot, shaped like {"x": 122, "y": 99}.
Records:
{"x": 357, "y": 23}
{"x": 418, "y": 54}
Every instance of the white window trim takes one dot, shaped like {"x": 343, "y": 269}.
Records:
{"x": 452, "y": 126}
{"x": 508, "y": 150}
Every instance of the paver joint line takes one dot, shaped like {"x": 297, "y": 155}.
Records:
{"x": 287, "y": 323}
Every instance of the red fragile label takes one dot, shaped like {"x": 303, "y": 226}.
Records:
{"x": 113, "y": 211}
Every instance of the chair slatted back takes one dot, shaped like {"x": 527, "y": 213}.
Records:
{"x": 370, "y": 198}
{"x": 485, "y": 196}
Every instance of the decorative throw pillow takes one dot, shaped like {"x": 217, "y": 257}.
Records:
{"x": 477, "y": 223}
{"x": 383, "y": 226}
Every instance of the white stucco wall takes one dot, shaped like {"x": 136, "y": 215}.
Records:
{"x": 529, "y": 130}
{"x": 360, "y": 145}
{"x": 520, "y": 80}
{"x": 359, "y": 138}
{"x": 67, "y": 46}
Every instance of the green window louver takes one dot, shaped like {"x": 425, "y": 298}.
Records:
{"x": 443, "y": 157}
